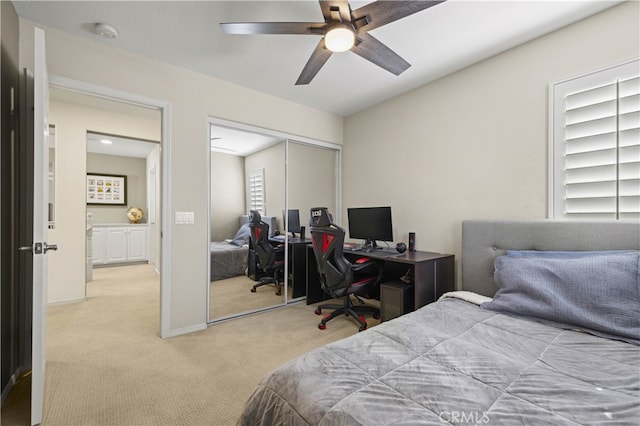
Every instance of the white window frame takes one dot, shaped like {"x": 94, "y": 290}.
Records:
{"x": 557, "y": 138}
{"x": 256, "y": 191}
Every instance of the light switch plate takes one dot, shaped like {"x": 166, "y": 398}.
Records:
{"x": 185, "y": 218}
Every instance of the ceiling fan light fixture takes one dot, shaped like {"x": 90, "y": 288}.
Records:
{"x": 339, "y": 37}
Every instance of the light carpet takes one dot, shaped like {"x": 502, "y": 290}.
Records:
{"x": 106, "y": 364}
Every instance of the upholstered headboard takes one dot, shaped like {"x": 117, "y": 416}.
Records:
{"x": 483, "y": 240}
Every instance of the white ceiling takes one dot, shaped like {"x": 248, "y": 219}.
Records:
{"x": 121, "y": 146}
{"x": 436, "y": 41}
{"x": 238, "y": 142}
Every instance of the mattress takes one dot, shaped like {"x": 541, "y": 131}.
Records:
{"x": 454, "y": 362}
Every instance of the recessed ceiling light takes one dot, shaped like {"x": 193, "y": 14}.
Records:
{"x": 105, "y": 30}
{"x": 106, "y": 141}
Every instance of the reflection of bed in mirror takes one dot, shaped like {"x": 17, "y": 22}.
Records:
{"x": 229, "y": 258}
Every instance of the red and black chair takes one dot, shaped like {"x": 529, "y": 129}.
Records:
{"x": 339, "y": 277}
{"x": 270, "y": 256}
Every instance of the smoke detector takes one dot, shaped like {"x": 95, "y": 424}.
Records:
{"x": 105, "y": 30}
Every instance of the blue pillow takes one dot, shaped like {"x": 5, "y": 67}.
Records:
{"x": 242, "y": 236}
{"x": 591, "y": 291}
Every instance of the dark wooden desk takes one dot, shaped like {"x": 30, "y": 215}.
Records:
{"x": 431, "y": 274}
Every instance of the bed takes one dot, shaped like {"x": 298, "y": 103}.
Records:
{"x": 229, "y": 258}
{"x": 467, "y": 359}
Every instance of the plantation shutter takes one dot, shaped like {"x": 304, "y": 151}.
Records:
{"x": 597, "y": 145}
{"x": 256, "y": 191}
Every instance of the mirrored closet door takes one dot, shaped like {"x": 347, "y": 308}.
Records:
{"x": 247, "y": 173}
{"x": 252, "y": 169}
{"x": 311, "y": 182}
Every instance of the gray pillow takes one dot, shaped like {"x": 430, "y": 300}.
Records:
{"x": 591, "y": 291}
{"x": 242, "y": 236}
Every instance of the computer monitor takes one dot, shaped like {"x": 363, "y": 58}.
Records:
{"x": 293, "y": 221}
{"x": 370, "y": 224}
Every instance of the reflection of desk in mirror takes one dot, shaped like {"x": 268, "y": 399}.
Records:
{"x": 431, "y": 274}
{"x": 297, "y": 273}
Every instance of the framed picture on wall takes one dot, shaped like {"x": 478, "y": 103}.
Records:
{"x": 104, "y": 189}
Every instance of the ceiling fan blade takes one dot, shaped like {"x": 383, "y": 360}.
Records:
{"x": 315, "y": 62}
{"x": 373, "y": 50}
{"x": 340, "y": 8}
{"x": 382, "y": 12}
{"x": 251, "y": 28}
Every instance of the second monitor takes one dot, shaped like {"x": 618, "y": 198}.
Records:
{"x": 293, "y": 222}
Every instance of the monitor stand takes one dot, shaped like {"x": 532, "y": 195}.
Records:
{"x": 369, "y": 246}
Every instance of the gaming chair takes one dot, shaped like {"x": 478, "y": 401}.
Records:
{"x": 270, "y": 256}
{"x": 339, "y": 277}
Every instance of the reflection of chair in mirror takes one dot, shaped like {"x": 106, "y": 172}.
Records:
{"x": 338, "y": 276}
{"x": 270, "y": 256}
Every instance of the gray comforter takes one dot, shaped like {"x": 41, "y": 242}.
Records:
{"x": 227, "y": 260}
{"x": 452, "y": 362}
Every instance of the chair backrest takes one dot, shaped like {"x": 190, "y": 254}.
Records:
{"x": 259, "y": 238}
{"x": 334, "y": 269}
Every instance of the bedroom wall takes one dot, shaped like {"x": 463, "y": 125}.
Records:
{"x": 474, "y": 144}
{"x": 193, "y": 97}
{"x": 66, "y": 274}
{"x": 272, "y": 160}
{"x": 227, "y": 194}
{"x": 135, "y": 169}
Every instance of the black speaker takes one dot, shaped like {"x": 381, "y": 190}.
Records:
{"x": 396, "y": 299}
{"x": 401, "y": 247}
{"x": 302, "y": 232}
{"x": 412, "y": 241}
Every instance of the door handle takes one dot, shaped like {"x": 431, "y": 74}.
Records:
{"x": 48, "y": 247}
{"x": 39, "y": 248}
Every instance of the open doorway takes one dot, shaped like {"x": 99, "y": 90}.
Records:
{"x": 121, "y": 201}
{"x": 82, "y": 118}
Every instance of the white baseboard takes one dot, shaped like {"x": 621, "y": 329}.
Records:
{"x": 185, "y": 330}
{"x": 67, "y": 302}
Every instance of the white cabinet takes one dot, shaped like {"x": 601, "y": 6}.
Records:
{"x": 119, "y": 244}
{"x": 98, "y": 246}
{"x": 137, "y": 244}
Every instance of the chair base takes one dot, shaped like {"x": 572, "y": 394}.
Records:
{"x": 266, "y": 281}
{"x": 347, "y": 309}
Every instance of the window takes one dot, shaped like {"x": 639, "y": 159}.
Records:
{"x": 595, "y": 145}
{"x": 256, "y": 191}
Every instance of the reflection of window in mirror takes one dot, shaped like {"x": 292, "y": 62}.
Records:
{"x": 257, "y": 199}
{"x": 52, "y": 176}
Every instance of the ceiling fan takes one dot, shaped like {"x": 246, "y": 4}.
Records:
{"x": 343, "y": 29}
